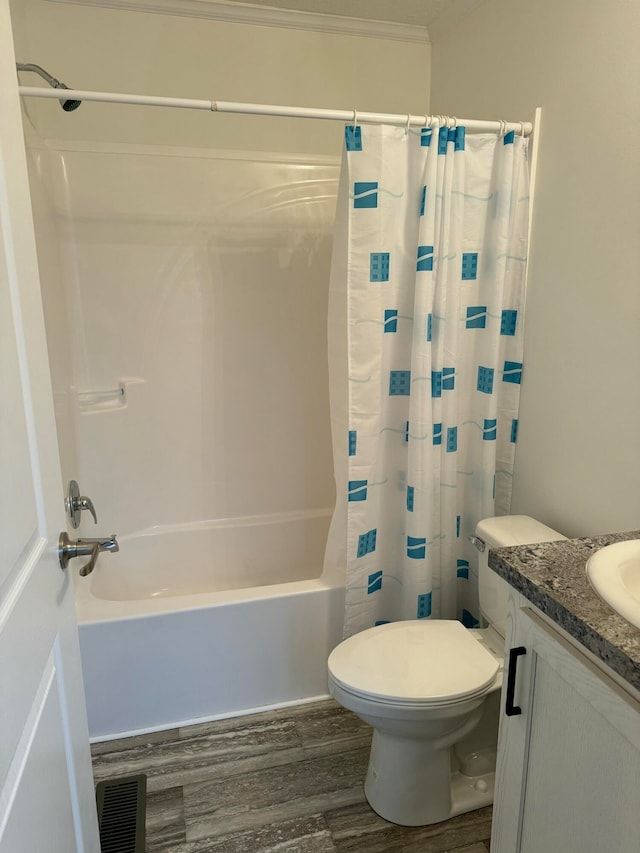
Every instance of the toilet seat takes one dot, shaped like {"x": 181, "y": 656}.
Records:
{"x": 419, "y": 662}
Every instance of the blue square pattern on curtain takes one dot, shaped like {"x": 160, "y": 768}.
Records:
{"x": 508, "y": 322}
{"x": 477, "y": 317}
{"x": 423, "y": 200}
{"x": 357, "y": 490}
{"x": 379, "y": 266}
{"x": 410, "y": 498}
{"x": 416, "y": 547}
{"x": 367, "y": 543}
{"x": 365, "y": 194}
{"x": 469, "y": 266}
{"x": 374, "y": 582}
{"x": 405, "y": 378}
{"x": 512, "y": 372}
{"x": 390, "y": 320}
{"x": 353, "y": 138}
{"x": 424, "y": 606}
{"x": 490, "y": 429}
{"x": 485, "y": 380}
{"x": 443, "y": 139}
{"x": 425, "y": 259}
{"x": 399, "y": 383}
{"x": 462, "y": 569}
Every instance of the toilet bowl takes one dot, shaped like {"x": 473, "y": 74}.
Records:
{"x": 422, "y": 686}
{"x": 430, "y": 691}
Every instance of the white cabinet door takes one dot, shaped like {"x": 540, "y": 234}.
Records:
{"x": 46, "y": 790}
{"x": 569, "y": 764}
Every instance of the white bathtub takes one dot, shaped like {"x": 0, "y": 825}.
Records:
{"x": 207, "y": 620}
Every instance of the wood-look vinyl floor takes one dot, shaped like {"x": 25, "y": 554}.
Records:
{"x": 289, "y": 781}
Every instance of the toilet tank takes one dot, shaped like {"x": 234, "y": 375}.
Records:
{"x": 503, "y": 532}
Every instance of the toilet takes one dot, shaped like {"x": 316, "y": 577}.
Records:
{"x": 430, "y": 689}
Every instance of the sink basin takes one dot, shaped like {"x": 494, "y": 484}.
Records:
{"x": 614, "y": 573}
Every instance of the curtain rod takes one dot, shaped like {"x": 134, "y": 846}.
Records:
{"x": 524, "y": 127}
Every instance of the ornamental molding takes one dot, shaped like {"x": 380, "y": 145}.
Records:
{"x": 265, "y": 16}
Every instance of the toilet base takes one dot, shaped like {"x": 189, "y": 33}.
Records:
{"x": 411, "y": 784}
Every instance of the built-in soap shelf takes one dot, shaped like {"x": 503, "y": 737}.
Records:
{"x": 95, "y": 401}
{"x": 103, "y": 400}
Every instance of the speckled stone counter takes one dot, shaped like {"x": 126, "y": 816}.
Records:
{"x": 553, "y": 577}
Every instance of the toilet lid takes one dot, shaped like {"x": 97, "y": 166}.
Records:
{"x": 420, "y": 661}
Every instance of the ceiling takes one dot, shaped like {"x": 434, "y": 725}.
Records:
{"x": 420, "y": 13}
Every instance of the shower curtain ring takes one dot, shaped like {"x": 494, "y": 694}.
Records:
{"x": 454, "y": 122}
{"x": 355, "y": 118}
{"x": 214, "y": 106}
{"x": 406, "y": 130}
{"x": 522, "y": 129}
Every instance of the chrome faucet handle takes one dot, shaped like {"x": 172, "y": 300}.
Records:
{"x": 75, "y": 503}
{"x": 87, "y": 503}
{"x": 90, "y": 566}
{"x": 68, "y": 549}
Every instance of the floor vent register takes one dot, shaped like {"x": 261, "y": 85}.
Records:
{"x": 121, "y": 814}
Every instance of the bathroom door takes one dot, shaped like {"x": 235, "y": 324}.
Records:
{"x": 46, "y": 789}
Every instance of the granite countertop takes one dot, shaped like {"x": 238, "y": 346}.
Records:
{"x": 552, "y": 576}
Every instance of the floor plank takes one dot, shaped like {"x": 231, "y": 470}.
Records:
{"x": 287, "y": 781}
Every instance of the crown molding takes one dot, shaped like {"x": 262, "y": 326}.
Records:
{"x": 265, "y": 16}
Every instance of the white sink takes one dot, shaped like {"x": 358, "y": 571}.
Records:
{"x": 614, "y": 573}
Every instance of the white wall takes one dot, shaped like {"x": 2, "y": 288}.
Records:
{"x": 578, "y": 456}
{"x": 121, "y": 51}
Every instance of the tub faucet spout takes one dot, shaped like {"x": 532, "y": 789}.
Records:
{"x": 104, "y": 543}
{"x": 70, "y": 548}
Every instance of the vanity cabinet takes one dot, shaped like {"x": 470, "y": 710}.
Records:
{"x": 568, "y": 767}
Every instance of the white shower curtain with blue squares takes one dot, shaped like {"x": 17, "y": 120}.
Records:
{"x": 425, "y": 342}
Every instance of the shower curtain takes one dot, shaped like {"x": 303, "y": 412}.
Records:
{"x": 425, "y": 357}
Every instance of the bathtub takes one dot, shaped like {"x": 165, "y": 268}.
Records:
{"x": 196, "y": 622}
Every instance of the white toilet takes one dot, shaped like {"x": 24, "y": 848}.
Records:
{"x": 431, "y": 689}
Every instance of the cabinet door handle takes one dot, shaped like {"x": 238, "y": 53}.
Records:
{"x": 510, "y": 709}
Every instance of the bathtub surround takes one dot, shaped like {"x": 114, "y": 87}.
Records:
{"x": 290, "y": 780}
{"x": 431, "y": 281}
{"x": 178, "y": 269}
{"x": 182, "y": 269}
